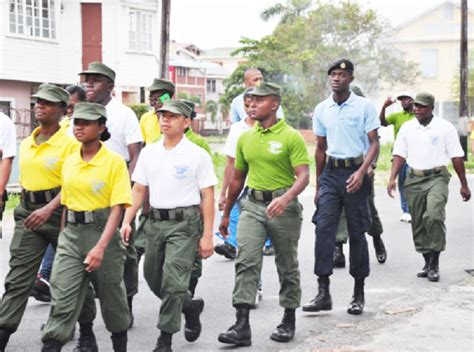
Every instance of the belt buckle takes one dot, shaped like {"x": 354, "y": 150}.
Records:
{"x": 267, "y": 196}
{"x": 70, "y": 217}
{"x": 88, "y": 217}
{"x": 164, "y": 214}
{"x": 347, "y": 162}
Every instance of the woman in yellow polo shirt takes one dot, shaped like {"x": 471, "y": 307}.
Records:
{"x": 95, "y": 189}
{"x": 38, "y": 217}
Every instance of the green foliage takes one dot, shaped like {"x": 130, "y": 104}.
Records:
{"x": 296, "y": 56}
{"x": 139, "y": 109}
{"x": 13, "y": 202}
{"x": 287, "y": 12}
{"x": 186, "y": 96}
{"x": 211, "y": 109}
{"x": 455, "y": 86}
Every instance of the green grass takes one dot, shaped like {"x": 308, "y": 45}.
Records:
{"x": 13, "y": 201}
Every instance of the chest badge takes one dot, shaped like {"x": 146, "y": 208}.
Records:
{"x": 274, "y": 147}
{"x": 97, "y": 186}
{"x": 51, "y": 162}
{"x": 181, "y": 171}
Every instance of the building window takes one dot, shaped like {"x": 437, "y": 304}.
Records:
{"x": 181, "y": 71}
{"x": 140, "y": 33}
{"x": 33, "y": 18}
{"x": 5, "y": 107}
{"x": 429, "y": 63}
{"x": 211, "y": 85}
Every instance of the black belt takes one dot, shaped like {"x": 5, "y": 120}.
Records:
{"x": 80, "y": 217}
{"x": 39, "y": 197}
{"x": 178, "y": 214}
{"x": 266, "y": 196}
{"x": 428, "y": 172}
{"x": 350, "y": 162}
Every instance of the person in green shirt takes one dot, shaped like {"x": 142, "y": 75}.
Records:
{"x": 273, "y": 158}
{"x": 397, "y": 119}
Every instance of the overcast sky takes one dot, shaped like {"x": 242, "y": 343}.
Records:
{"x": 221, "y": 23}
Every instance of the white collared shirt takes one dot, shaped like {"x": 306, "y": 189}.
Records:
{"x": 236, "y": 130}
{"x": 7, "y": 136}
{"x": 123, "y": 127}
{"x": 427, "y": 147}
{"x": 174, "y": 177}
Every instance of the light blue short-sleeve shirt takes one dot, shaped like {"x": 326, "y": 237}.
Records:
{"x": 345, "y": 126}
{"x": 237, "y": 109}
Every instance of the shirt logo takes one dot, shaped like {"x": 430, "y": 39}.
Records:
{"x": 181, "y": 171}
{"x": 97, "y": 186}
{"x": 434, "y": 140}
{"x": 51, "y": 162}
{"x": 274, "y": 147}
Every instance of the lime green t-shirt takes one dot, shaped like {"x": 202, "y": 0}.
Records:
{"x": 198, "y": 140}
{"x": 269, "y": 156}
{"x": 397, "y": 119}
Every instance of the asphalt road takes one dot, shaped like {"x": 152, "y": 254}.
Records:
{"x": 402, "y": 311}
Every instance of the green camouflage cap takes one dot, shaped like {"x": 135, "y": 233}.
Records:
{"x": 52, "y": 93}
{"x": 89, "y": 111}
{"x": 191, "y": 106}
{"x": 424, "y": 99}
{"x": 98, "y": 68}
{"x": 177, "y": 107}
{"x": 357, "y": 91}
{"x": 162, "y": 84}
{"x": 265, "y": 89}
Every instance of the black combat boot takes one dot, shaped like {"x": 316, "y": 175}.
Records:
{"x": 130, "y": 308}
{"x": 164, "y": 342}
{"x": 356, "y": 307}
{"x": 424, "y": 271}
{"x": 192, "y": 308}
{"x": 4, "y": 337}
{"x": 286, "y": 330}
{"x": 380, "y": 251}
{"x": 239, "y": 334}
{"x": 51, "y": 346}
{"x": 323, "y": 300}
{"x": 86, "y": 341}
{"x": 339, "y": 258}
{"x": 433, "y": 270}
{"x": 119, "y": 341}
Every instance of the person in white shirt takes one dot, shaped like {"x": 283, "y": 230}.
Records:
{"x": 179, "y": 178}
{"x": 427, "y": 143}
{"x": 7, "y": 153}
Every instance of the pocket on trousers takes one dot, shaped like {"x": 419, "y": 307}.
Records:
{"x": 114, "y": 276}
{"x": 181, "y": 265}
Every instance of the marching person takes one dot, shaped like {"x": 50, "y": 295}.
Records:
{"x": 397, "y": 119}
{"x": 38, "y": 216}
{"x": 274, "y": 157}
{"x": 343, "y": 124}
{"x": 180, "y": 188}
{"x": 426, "y": 144}
{"x": 7, "y": 154}
{"x": 95, "y": 189}
{"x": 126, "y": 139}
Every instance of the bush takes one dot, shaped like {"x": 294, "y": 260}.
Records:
{"x": 139, "y": 109}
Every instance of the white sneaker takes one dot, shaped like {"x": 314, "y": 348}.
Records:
{"x": 406, "y": 217}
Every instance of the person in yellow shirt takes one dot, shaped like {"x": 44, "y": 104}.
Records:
{"x": 161, "y": 91}
{"x": 77, "y": 95}
{"x": 95, "y": 189}
{"x": 38, "y": 216}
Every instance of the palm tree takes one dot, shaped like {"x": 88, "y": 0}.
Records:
{"x": 288, "y": 12}
{"x": 211, "y": 108}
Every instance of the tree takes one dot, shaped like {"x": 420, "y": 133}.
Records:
{"x": 296, "y": 56}
{"x": 287, "y": 12}
{"x": 212, "y": 109}
{"x": 455, "y": 87}
{"x": 193, "y": 98}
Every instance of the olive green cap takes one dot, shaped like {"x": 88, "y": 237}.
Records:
{"x": 89, "y": 111}
{"x": 191, "y": 106}
{"x": 52, "y": 93}
{"x": 162, "y": 84}
{"x": 98, "y": 68}
{"x": 424, "y": 99}
{"x": 177, "y": 107}
{"x": 357, "y": 91}
{"x": 265, "y": 89}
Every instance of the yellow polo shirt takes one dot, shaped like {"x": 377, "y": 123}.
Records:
{"x": 150, "y": 127}
{"x": 65, "y": 123}
{"x": 41, "y": 165}
{"x": 100, "y": 183}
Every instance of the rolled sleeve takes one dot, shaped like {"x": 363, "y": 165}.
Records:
{"x": 318, "y": 127}
{"x": 372, "y": 121}
{"x": 205, "y": 172}
{"x": 133, "y": 132}
{"x": 453, "y": 145}
{"x": 400, "y": 147}
{"x": 121, "y": 190}
{"x": 139, "y": 173}
{"x": 299, "y": 153}
{"x": 8, "y": 139}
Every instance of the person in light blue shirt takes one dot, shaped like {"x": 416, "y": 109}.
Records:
{"x": 252, "y": 77}
{"x": 342, "y": 123}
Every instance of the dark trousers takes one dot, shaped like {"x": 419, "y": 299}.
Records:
{"x": 332, "y": 198}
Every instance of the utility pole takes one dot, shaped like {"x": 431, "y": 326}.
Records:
{"x": 165, "y": 37}
{"x": 463, "y": 110}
